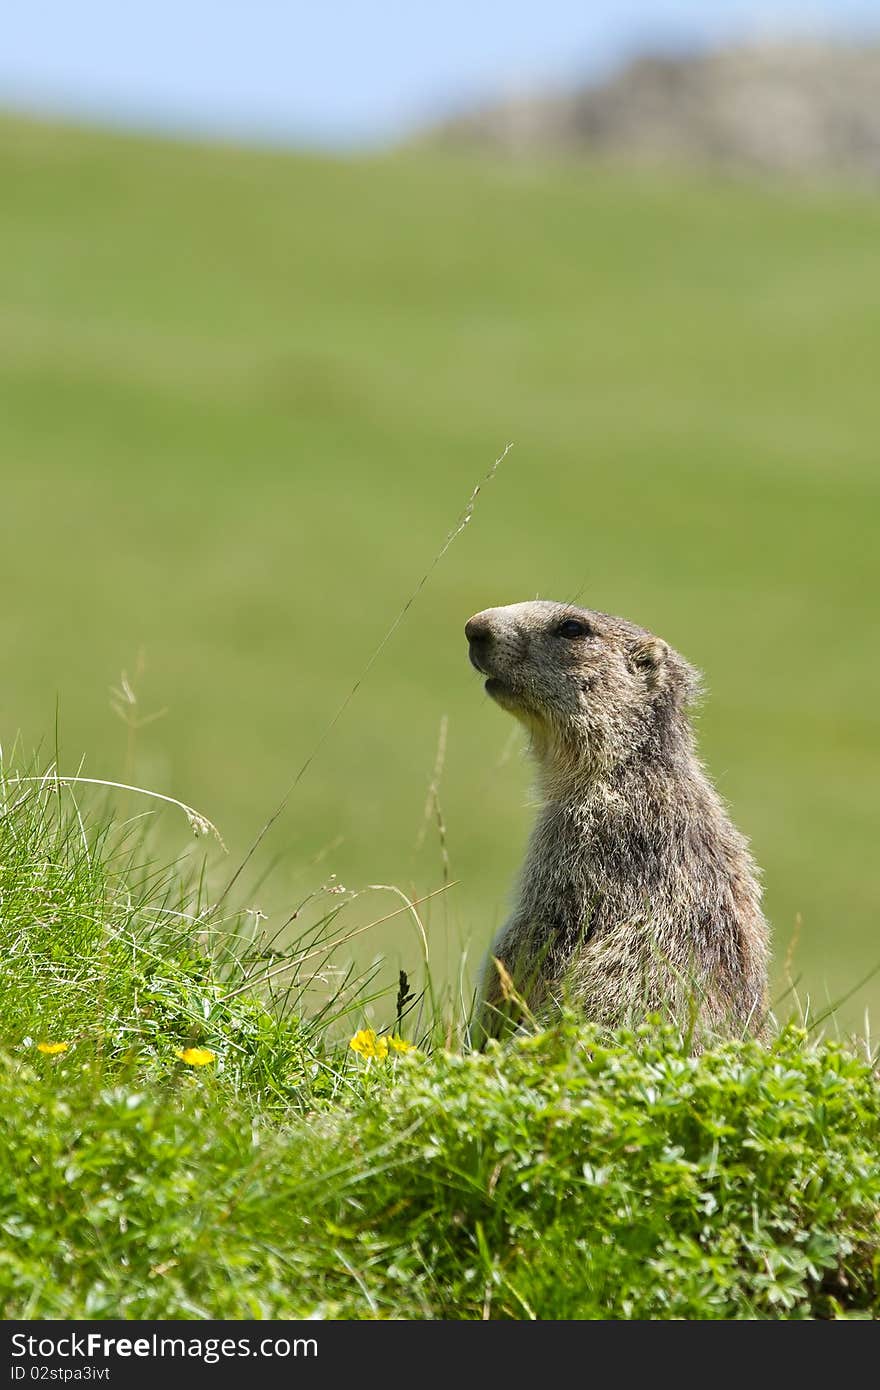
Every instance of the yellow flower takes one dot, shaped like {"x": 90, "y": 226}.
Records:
{"x": 196, "y": 1056}
{"x": 368, "y": 1044}
{"x": 401, "y": 1045}
{"x": 52, "y": 1049}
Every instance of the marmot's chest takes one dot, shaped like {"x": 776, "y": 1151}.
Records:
{"x": 580, "y": 867}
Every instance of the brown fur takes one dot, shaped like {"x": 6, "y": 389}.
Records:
{"x": 637, "y": 893}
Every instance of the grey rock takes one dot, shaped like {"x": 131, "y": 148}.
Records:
{"x": 803, "y": 108}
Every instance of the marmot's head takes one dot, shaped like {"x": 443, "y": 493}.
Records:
{"x": 594, "y": 691}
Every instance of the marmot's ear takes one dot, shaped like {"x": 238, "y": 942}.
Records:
{"x": 648, "y": 655}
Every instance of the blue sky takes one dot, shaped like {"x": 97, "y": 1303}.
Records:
{"x": 346, "y": 73}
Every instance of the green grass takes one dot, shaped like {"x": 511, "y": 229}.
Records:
{"x": 243, "y": 397}
{"x": 569, "y": 1175}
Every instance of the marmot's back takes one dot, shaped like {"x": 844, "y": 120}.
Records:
{"x": 637, "y": 893}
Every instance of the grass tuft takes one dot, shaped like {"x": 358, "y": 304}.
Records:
{"x": 176, "y": 1141}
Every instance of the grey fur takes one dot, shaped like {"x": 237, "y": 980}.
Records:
{"x": 637, "y": 894}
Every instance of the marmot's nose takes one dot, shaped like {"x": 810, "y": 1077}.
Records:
{"x": 478, "y": 631}
{"x": 478, "y": 628}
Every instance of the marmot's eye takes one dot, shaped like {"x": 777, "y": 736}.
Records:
{"x": 571, "y": 628}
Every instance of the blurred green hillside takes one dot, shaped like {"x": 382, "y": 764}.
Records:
{"x": 243, "y": 398}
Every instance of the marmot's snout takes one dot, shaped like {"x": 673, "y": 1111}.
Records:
{"x": 494, "y": 642}
{"x": 478, "y": 631}
{"x": 496, "y": 647}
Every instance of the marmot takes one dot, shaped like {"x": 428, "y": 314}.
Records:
{"x": 637, "y": 893}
